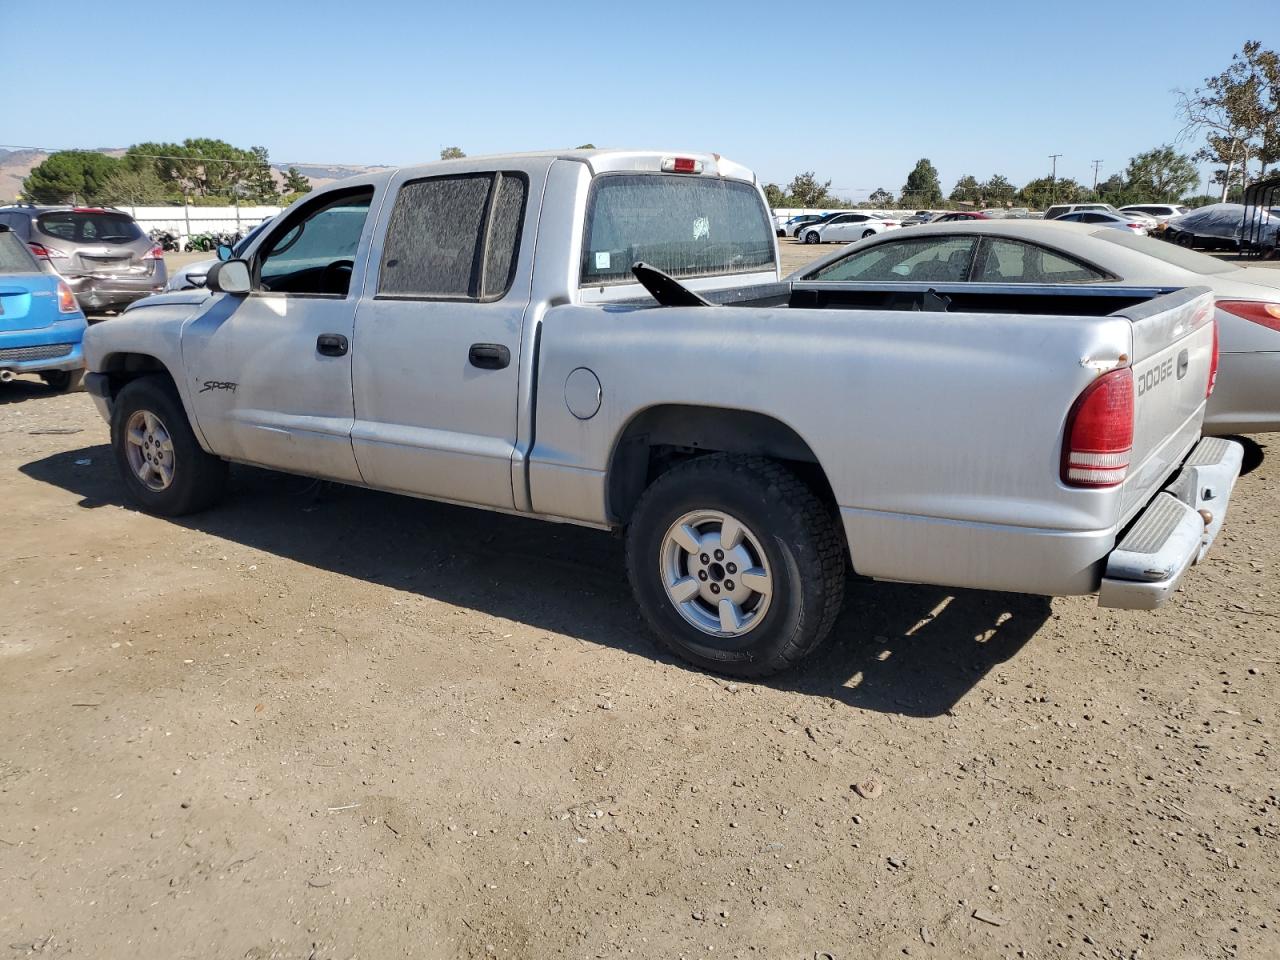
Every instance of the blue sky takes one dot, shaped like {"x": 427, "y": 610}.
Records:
{"x": 978, "y": 88}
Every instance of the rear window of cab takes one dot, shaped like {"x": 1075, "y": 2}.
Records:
{"x": 685, "y": 226}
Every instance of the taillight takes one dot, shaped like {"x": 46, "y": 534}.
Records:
{"x": 66, "y": 299}
{"x": 1213, "y": 363}
{"x": 1255, "y": 311}
{"x": 1099, "y": 434}
{"x": 46, "y": 253}
{"x": 1136, "y": 226}
{"x": 681, "y": 165}
{"x": 155, "y": 253}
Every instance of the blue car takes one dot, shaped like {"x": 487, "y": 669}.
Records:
{"x": 41, "y": 325}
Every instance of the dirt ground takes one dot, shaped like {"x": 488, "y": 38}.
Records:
{"x": 322, "y": 723}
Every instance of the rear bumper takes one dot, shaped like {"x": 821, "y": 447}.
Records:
{"x": 67, "y": 356}
{"x": 106, "y": 293}
{"x": 1174, "y": 531}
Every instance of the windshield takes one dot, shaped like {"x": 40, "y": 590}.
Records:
{"x": 14, "y": 255}
{"x": 1169, "y": 253}
{"x": 685, "y": 226}
{"x": 239, "y": 249}
{"x": 80, "y": 227}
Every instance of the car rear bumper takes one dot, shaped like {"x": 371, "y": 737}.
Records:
{"x": 1175, "y": 530}
{"x": 106, "y": 293}
{"x": 41, "y": 358}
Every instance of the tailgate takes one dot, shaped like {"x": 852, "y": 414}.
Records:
{"x": 1173, "y": 338}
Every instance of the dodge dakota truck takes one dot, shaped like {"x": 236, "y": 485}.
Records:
{"x": 600, "y": 337}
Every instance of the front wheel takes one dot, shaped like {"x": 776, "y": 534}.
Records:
{"x": 811, "y": 237}
{"x": 736, "y": 565}
{"x": 157, "y": 454}
{"x": 868, "y": 233}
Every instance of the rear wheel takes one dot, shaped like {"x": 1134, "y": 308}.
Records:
{"x": 64, "y": 381}
{"x": 157, "y": 454}
{"x": 735, "y": 564}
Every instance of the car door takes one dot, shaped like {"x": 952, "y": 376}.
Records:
{"x": 269, "y": 372}
{"x": 437, "y": 369}
{"x": 845, "y": 227}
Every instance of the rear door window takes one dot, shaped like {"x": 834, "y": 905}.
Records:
{"x": 918, "y": 260}
{"x": 1012, "y": 261}
{"x": 454, "y": 238}
{"x": 14, "y": 255}
{"x": 686, "y": 226}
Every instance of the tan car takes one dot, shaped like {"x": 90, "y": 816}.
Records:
{"x": 100, "y": 252}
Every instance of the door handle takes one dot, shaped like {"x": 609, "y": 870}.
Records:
{"x": 331, "y": 345}
{"x": 489, "y": 356}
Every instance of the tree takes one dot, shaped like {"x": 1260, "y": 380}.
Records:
{"x": 967, "y": 190}
{"x": 999, "y": 190}
{"x": 1160, "y": 175}
{"x": 295, "y": 182}
{"x": 1237, "y": 111}
{"x": 1116, "y": 192}
{"x": 124, "y": 185}
{"x": 1042, "y": 193}
{"x": 775, "y": 197}
{"x": 806, "y": 191}
{"x": 881, "y": 198}
{"x": 207, "y": 168}
{"x": 585, "y": 146}
{"x": 68, "y": 174}
{"x": 452, "y": 153}
{"x": 923, "y": 187}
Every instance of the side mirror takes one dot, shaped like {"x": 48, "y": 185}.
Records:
{"x": 229, "y": 276}
{"x": 224, "y": 252}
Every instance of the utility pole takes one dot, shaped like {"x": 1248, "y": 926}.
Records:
{"x": 1053, "y": 178}
{"x": 1096, "y": 165}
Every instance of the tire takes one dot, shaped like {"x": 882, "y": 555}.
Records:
{"x": 812, "y": 237}
{"x": 789, "y": 537}
{"x": 63, "y": 381}
{"x": 180, "y": 477}
{"x": 868, "y": 233}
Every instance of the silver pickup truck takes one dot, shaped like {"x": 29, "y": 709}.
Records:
{"x": 600, "y": 337}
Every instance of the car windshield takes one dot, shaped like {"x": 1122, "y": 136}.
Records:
{"x": 89, "y": 227}
{"x": 14, "y": 255}
{"x": 1167, "y": 252}
{"x": 684, "y": 226}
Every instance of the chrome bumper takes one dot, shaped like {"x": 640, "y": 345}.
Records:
{"x": 1175, "y": 530}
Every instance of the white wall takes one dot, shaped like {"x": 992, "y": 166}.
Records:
{"x": 185, "y": 221}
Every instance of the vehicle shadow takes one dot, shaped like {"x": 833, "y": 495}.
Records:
{"x": 910, "y": 650}
{"x": 20, "y": 390}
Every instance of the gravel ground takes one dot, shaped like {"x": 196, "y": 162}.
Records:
{"x": 323, "y": 723}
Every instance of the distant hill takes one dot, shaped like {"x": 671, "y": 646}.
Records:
{"x": 16, "y": 164}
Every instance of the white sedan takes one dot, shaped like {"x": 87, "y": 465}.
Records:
{"x": 848, "y": 226}
{"x": 1008, "y": 254}
{"x": 1139, "y": 223}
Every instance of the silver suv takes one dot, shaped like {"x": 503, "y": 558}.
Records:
{"x": 101, "y": 252}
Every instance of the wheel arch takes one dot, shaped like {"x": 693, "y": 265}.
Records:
{"x": 661, "y": 436}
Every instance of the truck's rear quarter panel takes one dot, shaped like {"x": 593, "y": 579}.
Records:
{"x": 940, "y": 433}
